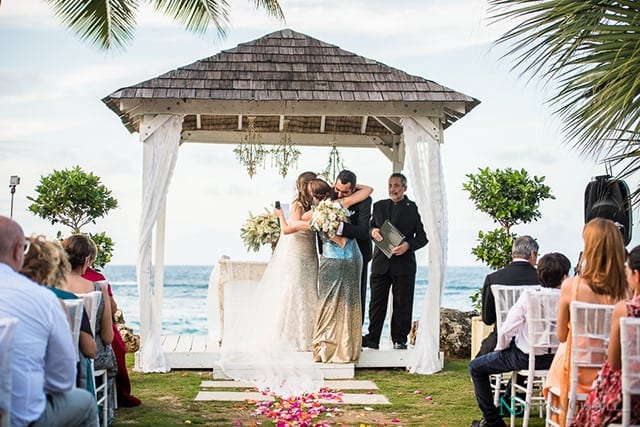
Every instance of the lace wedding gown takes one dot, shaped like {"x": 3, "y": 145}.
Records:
{"x": 266, "y": 344}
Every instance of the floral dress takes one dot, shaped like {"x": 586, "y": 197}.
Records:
{"x": 604, "y": 403}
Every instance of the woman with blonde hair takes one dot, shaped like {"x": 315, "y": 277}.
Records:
{"x": 601, "y": 279}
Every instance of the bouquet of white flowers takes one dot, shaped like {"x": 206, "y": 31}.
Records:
{"x": 327, "y": 216}
{"x": 260, "y": 230}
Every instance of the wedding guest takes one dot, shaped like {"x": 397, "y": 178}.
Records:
{"x": 123, "y": 383}
{"x": 358, "y": 225}
{"x": 601, "y": 279}
{"x": 604, "y": 403}
{"x": 43, "y": 366}
{"x": 81, "y": 252}
{"x": 512, "y": 350}
{"x": 42, "y": 264}
{"x": 397, "y": 273}
{"x": 521, "y": 271}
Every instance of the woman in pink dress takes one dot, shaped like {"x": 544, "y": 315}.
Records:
{"x": 600, "y": 280}
{"x": 604, "y": 403}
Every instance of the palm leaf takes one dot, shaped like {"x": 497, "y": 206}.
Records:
{"x": 110, "y": 24}
{"x": 587, "y": 53}
{"x": 106, "y": 24}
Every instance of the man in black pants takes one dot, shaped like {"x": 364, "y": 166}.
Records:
{"x": 357, "y": 227}
{"x": 397, "y": 273}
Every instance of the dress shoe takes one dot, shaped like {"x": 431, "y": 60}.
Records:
{"x": 369, "y": 344}
{"x": 399, "y": 346}
{"x": 483, "y": 423}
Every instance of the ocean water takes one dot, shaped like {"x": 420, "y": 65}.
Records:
{"x": 184, "y": 308}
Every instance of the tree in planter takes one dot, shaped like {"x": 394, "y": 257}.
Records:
{"x": 509, "y": 197}
{"x": 74, "y": 198}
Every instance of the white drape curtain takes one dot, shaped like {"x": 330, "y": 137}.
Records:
{"x": 160, "y": 152}
{"x": 423, "y": 167}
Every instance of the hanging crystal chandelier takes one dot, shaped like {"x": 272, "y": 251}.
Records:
{"x": 250, "y": 151}
{"x": 335, "y": 165}
{"x": 286, "y": 154}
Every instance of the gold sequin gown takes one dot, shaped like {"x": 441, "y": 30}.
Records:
{"x": 299, "y": 278}
{"x": 337, "y": 336}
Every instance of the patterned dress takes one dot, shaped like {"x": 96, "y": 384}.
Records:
{"x": 604, "y": 403}
{"x": 337, "y": 336}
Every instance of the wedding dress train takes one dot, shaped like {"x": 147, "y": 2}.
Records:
{"x": 267, "y": 342}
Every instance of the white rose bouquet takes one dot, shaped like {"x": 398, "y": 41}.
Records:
{"x": 327, "y": 216}
{"x": 260, "y": 230}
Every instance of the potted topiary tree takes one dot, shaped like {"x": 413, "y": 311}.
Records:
{"x": 510, "y": 197}
{"x": 74, "y": 198}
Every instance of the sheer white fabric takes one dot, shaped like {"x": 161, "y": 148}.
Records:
{"x": 424, "y": 173}
{"x": 7, "y": 331}
{"x": 160, "y": 152}
{"x": 257, "y": 345}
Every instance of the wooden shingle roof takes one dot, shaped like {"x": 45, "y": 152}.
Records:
{"x": 287, "y": 73}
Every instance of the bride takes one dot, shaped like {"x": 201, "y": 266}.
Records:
{"x": 266, "y": 345}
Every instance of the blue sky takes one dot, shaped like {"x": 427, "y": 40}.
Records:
{"x": 51, "y": 117}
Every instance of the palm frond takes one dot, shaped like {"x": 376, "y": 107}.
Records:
{"x": 588, "y": 53}
{"x": 106, "y": 24}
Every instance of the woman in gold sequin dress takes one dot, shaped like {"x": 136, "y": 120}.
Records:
{"x": 338, "y": 325}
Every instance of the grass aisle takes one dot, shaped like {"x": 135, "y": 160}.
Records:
{"x": 443, "y": 399}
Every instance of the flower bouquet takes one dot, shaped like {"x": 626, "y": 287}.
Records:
{"x": 260, "y": 230}
{"x": 327, "y": 216}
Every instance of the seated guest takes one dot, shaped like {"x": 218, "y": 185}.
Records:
{"x": 81, "y": 252}
{"x": 521, "y": 271}
{"x": 512, "y": 350}
{"x": 42, "y": 263}
{"x": 604, "y": 403}
{"x": 43, "y": 367}
{"x": 600, "y": 280}
{"x": 123, "y": 383}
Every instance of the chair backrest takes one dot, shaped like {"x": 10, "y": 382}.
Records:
{"x": 75, "y": 307}
{"x": 590, "y": 330}
{"x": 542, "y": 315}
{"x": 91, "y": 303}
{"x": 630, "y": 352}
{"x": 505, "y": 296}
{"x": 7, "y": 332}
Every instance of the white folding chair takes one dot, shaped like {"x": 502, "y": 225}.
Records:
{"x": 505, "y": 296}
{"x": 91, "y": 303}
{"x": 630, "y": 352}
{"x": 7, "y": 331}
{"x": 542, "y": 312}
{"x": 75, "y": 307}
{"x": 590, "y": 329}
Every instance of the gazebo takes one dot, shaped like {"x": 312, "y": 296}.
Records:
{"x": 288, "y": 82}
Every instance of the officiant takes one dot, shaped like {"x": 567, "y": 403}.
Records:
{"x": 394, "y": 271}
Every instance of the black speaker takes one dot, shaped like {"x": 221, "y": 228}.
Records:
{"x": 606, "y": 197}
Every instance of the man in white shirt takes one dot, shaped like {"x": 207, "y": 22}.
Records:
{"x": 511, "y": 352}
{"x": 43, "y": 365}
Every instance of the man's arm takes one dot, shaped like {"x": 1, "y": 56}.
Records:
{"x": 419, "y": 238}
{"x": 359, "y": 230}
{"x": 488, "y": 303}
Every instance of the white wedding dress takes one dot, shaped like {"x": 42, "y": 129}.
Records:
{"x": 268, "y": 343}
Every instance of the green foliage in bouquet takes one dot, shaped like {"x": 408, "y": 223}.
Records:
{"x": 260, "y": 230}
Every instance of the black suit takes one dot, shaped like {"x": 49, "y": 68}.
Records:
{"x": 517, "y": 273}
{"x": 397, "y": 273}
{"x": 358, "y": 228}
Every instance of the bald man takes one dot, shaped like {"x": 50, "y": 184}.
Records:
{"x": 43, "y": 365}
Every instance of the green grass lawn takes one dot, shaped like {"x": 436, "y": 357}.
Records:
{"x": 167, "y": 400}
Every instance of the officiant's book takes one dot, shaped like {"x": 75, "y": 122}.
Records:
{"x": 391, "y": 237}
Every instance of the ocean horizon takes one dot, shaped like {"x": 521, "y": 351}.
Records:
{"x": 184, "y": 308}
